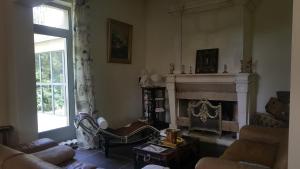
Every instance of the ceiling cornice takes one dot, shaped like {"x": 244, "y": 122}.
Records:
{"x": 207, "y": 5}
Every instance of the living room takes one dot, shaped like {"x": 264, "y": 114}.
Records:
{"x": 160, "y": 36}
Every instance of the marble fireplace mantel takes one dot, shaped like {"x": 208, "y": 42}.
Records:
{"x": 239, "y": 87}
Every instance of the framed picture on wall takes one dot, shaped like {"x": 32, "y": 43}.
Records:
{"x": 119, "y": 42}
{"x": 207, "y": 61}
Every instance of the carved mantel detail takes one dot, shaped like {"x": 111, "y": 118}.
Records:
{"x": 228, "y": 87}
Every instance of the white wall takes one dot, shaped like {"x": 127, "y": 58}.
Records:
{"x": 3, "y": 67}
{"x": 272, "y": 48}
{"x": 117, "y": 92}
{"x": 294, "y": 137}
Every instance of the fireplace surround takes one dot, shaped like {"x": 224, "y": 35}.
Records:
{"x": 237, "y": 88}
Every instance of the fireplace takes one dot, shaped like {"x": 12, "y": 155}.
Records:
{"x": 235, "y": 93}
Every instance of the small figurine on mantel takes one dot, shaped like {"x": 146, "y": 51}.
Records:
{"x": 171, "y": 68}
{"x": 246, "y": 66}
{"x": 225, "y": 68}
{"x": 249, "y": 66}
{"x": 191, "y": 69}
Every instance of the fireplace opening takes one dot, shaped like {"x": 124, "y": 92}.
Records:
{"x": 213, "y": 123}
{"x": 228, "y": 108}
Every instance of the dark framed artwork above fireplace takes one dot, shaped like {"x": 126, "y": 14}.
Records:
{"x": 207, "y": 61}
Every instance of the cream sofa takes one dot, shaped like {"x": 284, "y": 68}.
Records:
{"x": 13, "y": 159}
{"x": 257, "y": 148}
{"x": 40, "y": 154}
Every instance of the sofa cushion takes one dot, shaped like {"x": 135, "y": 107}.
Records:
{"x": 56, "y": 155}
{"x": 252, "y": 152}
{"x": 37, "y": 145}
{"x": 27, "y": 161}
{"x": 7, "y": 153}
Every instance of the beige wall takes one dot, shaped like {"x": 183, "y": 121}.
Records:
{"x": 22, "y": 103}
{"x": 294, "y": 138}
{"x": 272, "y": 48}
{"x": 271, "y": 43}
{"x": 220, "y": 28}
{"x": 161, "y": 36}
{"x": 117, "y": 92}
{"x": 3, "y": 67}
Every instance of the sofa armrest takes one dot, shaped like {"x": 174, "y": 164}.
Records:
{"x": 216, "y": 163}
{"x": 263, "y": 134}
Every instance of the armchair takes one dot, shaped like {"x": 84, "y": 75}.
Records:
{"x": 257, "y": 148}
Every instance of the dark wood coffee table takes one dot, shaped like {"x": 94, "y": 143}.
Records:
{"x": 174, "y": 158}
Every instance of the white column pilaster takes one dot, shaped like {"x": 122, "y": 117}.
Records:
{"x": 172, "y": 100}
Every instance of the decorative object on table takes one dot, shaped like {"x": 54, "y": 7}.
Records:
{"x": 182, "y": 69}
{"x": 154, "y": 106}
{"x": 207, "y": 61}
{"x": 171, "y": 68}
{"x": 205, "y": 117}
{"x": 119, "y": 42}
{"x": 225, "y": 68}
{"x": 179, "y": 141}
{"x": 154, "y": 148}
{"x": 171, "y": 135}
{"x": 191, "y": 69}
{"x": 174, "y": 158}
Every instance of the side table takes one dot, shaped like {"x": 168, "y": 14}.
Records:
{"x": 174, "y": 158}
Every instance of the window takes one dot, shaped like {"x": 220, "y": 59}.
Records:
{"x": 53, "y": 66}
{"x": 51, "y": 16}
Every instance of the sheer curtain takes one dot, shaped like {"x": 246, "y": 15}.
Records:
{"x": 83, "y": 61}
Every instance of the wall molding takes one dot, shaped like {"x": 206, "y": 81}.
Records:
{"x": 193, "y": 6}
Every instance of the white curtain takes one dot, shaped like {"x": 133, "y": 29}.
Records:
{"x": 83, "y": 61}
{"x": 84, "y": 86}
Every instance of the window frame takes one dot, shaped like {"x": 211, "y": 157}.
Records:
{"x": 69, "y": 131}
